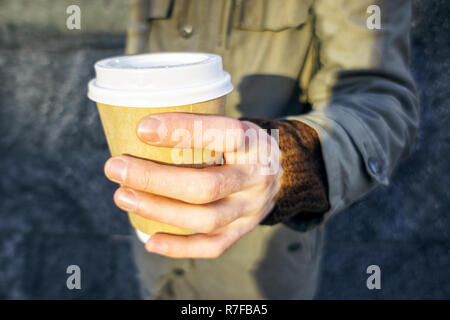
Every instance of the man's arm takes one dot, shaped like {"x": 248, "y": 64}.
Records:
{"x": 365, "y": 108}
{"x": 365, "y": 114}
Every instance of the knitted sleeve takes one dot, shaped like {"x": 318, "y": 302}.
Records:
{"x": 304, "y": 187}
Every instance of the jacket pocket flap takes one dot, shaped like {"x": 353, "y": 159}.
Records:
{"x": 270, "y": 15}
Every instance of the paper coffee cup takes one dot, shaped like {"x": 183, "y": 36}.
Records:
{"x": 128, "y": 88}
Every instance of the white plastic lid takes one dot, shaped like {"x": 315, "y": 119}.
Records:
{"x": 159, "y": 80}
{"x": 143, "y": 237}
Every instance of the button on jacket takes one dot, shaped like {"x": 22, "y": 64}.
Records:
{"x": 312, "y": 61}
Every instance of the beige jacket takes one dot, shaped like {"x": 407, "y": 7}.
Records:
{"x": 312, "y": 61}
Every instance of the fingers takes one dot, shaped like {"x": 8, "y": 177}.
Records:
{"x": 188, "y": 130}
{"x": 200, "y": 245}
{"x": 196, "y": 218}
{"x": 190, "y": 185}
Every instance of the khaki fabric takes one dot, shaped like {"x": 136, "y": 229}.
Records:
{"x": 267, "y": 263}
{"x": 311, "y": 61}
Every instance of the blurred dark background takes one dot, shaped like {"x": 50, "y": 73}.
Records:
{"x": 56, "y": 205}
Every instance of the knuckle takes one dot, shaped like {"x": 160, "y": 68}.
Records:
{"x": 206, "y": 228}
{"x": 235, "y": 138}
{"x": 144, "y": 180}
{"x": 241, "y": 136}
{"x": 205, "y": 219}
{"x": 211, "y": 223}
{"x": 208, "y": 189}
{"x": 216, "y": 252}
{"x": 221, "y": 245}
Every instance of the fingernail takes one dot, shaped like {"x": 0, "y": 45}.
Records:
{"x": 116, "y": 170}
{"x": 156, "y": 246}
{"x": 127, "y": 200}
{"x": 149, "y": 129}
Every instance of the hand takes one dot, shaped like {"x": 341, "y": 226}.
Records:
{"x": 219, "y": 204}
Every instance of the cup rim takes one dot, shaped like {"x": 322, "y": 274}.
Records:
{"x": 140, "y": 81}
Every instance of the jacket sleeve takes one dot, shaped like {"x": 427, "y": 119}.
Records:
{"x": 364, "y": 102}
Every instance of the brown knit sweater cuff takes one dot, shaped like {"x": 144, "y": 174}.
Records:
{"x": 304, "y": 187}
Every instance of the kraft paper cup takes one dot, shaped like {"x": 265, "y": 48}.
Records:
{"x": 119, "y": 124}
{"x": 128, "y": 88}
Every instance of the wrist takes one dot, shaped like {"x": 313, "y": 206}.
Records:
{"x": 303, "y": 191}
